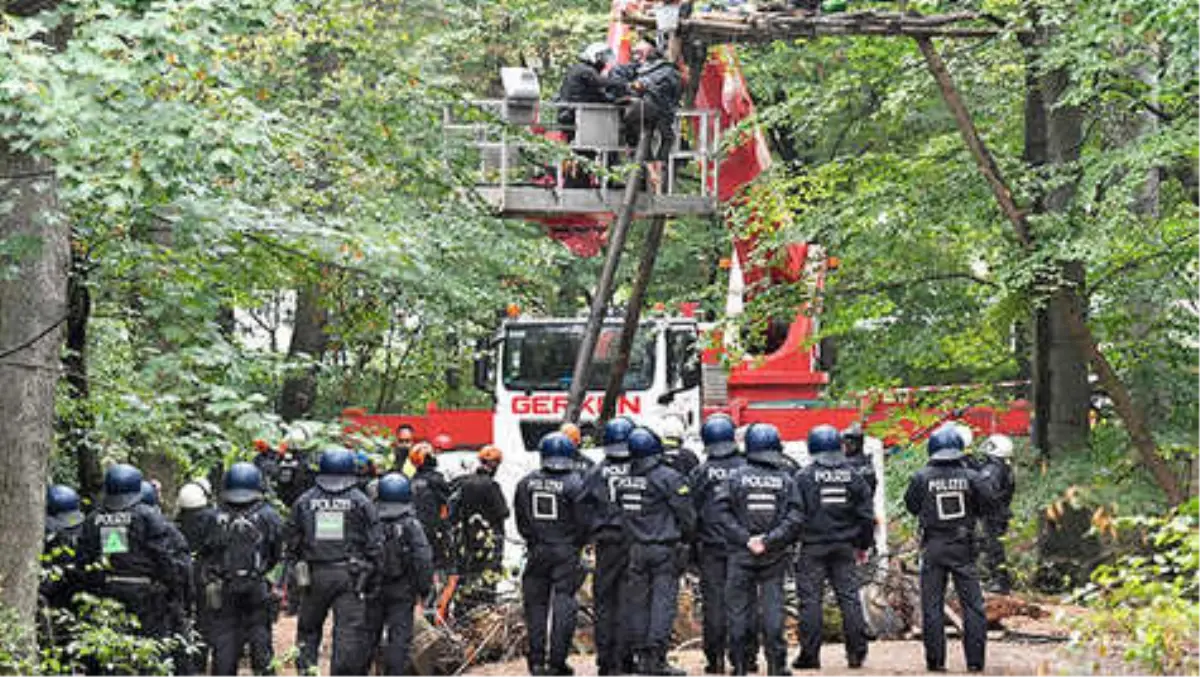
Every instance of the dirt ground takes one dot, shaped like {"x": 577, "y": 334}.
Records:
{"x": 1005, "y": 657}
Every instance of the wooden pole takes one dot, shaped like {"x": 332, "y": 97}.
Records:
{"x": 604, "y": 287}
{"x": 1130, "y": 413}
{"x": 633, "y": 316}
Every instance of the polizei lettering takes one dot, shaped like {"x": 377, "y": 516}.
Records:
{"x": 114, "y": 519}
{"x": 762, "y": 482}
{"x": 839, "y": 476}
{"x": 715, "y": 473}
{"x": 330, "y": 504}
{"x": 634, "y": 482}
{"x": 555, "y": 486}
{"x": 948, "y": 484}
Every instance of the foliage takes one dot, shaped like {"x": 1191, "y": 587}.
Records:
{"x": 1147, "y": 603}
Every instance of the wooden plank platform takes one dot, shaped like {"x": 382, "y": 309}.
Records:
{"x": 768, "y": 26}
{"x": 524, "y": 201}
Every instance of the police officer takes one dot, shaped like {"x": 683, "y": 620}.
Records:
{"x": 722, "y": 459}
{"x": 479, "y": 510}
{"x": 838, "y": 512}
{"x": 550, "y": 507}
{"x": 333, "y": 537}
{"x": 245, "y": 543}
{"x": 431, "y": 496}
{"x": 994, "y": 466}
{"x": 145, "y": 555}
{"x": 64, "y": 524}
{"x": 948, "y": 497}
{"x": 196, "y": 520}
{"x": 677, "y": 454}
{"x": 854, "y": 446}
{"x": 294, "y": 475}
{"x": 660, "y": 519}
{"x": 150, "y": 496}
{"x": 759, "y": 510}
{"x": 406, "y": 575}
{"x": 612, "y": 548}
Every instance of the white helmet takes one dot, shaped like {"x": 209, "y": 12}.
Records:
{"x": 998, "y": 446}
{"x": 597, "y": 54}
{"x": 672, "y": 428}
{"x": 192, "y": 496}
{"x": 964, "y": 431}
{"x": 205, "y": 485}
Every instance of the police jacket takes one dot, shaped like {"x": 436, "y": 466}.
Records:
{"x": 480, "y": 494}
{"x": 138, "y": 543}
{"x": 947, "y": 497}
{"x": 1003, "y": 482}
{"x": 551, "y": 508}
{"x": 195, "y": 525}
{"x": 333, "y": 527}
{"x": 863, "y": 466}
{"x": 760, "y": 499}
{"x": 682, "y": 459}
{"x": 407, "y": 569}
{"x": 656, "y": 503}
{"x": 431, "y": 498}
{"x": 602, "y": 506}
{"x": 61, "y": 552}
{"x": 584, "y": 84}
{"x": 662, "y": 86}
{"x": 705, "y": 480}
{"x": 216, "y": 551}
{"x": 836, "y": 502}
{"x": 293, "y": 476}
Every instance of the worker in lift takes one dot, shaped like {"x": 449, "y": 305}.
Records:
{"x": 655, "y": 100}
{"x": 585, "y": 82}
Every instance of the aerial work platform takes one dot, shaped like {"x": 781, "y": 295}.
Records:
{"x": 548, "y": 159}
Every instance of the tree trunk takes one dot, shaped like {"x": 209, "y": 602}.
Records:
{"x": 308, "y": 338}
{"x": 33, "y": 307}
{"x": 76, "y": 428}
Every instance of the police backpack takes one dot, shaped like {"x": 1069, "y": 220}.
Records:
{"x": 241, "y": 560}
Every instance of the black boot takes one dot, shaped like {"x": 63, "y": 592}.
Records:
{"x": 716, "y": 666}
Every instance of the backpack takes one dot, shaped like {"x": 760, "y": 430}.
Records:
{"x": 397, "y": 552}
{"x": 241, "y": 557}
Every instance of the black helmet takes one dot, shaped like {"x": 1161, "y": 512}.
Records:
{"x": 824, "y": 439}
{"x": 63, "y": 502}
{"x": 336, "y": 470}
{"x": 718, "y": 434}
{"x": 643, "y": 443}
{"x": 122, "y": 487}
{"x": 394, "y": 495}
{"x": 616, "y": 437}
{"x": 243, "y": 484}
{"x": 558, "y": 451}
{"x": 945, "y": 444}
{"x": 149, "y": 494}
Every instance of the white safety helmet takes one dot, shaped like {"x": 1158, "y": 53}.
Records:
{"x": 672, "y": 428}
{"x": 205, "y": 485}
{"x": 192, "y": 496}
{"x": 598, "y": 54}
{"x": 998, "y": 446}
{"x": 964, "y": 431}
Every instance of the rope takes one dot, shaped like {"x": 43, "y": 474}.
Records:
{"x": 40, "y": 335}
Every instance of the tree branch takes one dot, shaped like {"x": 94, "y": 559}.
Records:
{"x": 901, "y": 284}
{"x": 1106, "y": 277}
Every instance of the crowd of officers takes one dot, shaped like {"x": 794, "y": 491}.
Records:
{"x": 366, "y": 548}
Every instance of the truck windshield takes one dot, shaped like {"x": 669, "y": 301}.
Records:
{"x": 542, "y": 357}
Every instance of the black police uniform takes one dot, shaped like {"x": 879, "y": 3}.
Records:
{"x": 838, "y": 512}
{"x": 758, "y": 499}
{"x": 681, "y": 459}
{"x": 948, "y": 497}
{"x": 658, "y": 517}
{"x": 431, "y": 499}
{"x": 658, "y": 104}
{"x": 197, "y": 525}
{"x": 405, "y": 577}
{"x": 612, "y": 560}
{"x": 267, "y": 463}
{"x": 995, "y": 521}
{"x": 550, "y": 507}
{"x": 479, "y": 511}
{"x": 293, "y": 476}
{"x": 337, "y": 536}
{"x": 61, "y": 552}
{"x": 148, "y": 563}
{"x": 244, "y": 544}
{"x": 714, "y": 553}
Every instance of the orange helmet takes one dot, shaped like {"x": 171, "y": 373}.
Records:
{"x": 261, "y": 446}
{"x": 443, "y": 442}
{"x": 572, "y": 431}
{"x": 420, "y": 452}
{"x": 491, "y": 454}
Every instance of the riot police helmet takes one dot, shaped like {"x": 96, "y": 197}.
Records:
{"x": 616, "y": 438}
{"x": 336, "y": 470}
{"x": 719, "y": 436}
{"x": 63, "y": 502}
{"x": 824, "y": 439}
{"x": 558, "y": 451}
{"x": 945, "y": 444}
{"x": 243, "y": 484}
{"x": 122, "y": 487}
{"x": 394, "y": 495}
{"x": 763, "y": 443}
{"x": 149, "y": 494}
{"x": 644, "y": 443}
